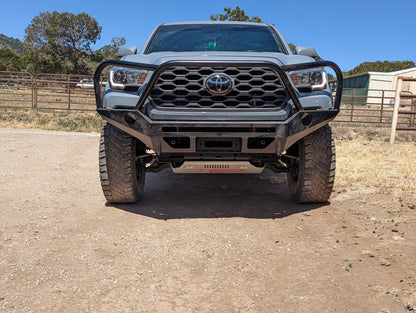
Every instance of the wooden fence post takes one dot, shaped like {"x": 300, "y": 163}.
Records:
{"x": 396, "y": 110}
{"x": 34, "y": 92}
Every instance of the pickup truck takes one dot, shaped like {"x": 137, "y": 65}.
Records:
{"x": 217, "y": 98}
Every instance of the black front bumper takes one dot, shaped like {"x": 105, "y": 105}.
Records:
{"x": 158, "y": 134}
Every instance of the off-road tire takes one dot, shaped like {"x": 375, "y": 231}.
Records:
{"x": 312, "y": 174}
{"x": 122, "y": 176}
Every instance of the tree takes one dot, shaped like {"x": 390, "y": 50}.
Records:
{"x": 110, "y": 51}
{"x": 235, "y": 15}
{"x": 15, "y": 44}
{"x": 12, "y": 61}
{"x": 60, "y": 42}
{"x": 379, "y": 66}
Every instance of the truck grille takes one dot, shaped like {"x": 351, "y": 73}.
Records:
{"x": 183, "y": 87}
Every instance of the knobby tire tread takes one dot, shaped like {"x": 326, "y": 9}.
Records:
{"x": 316, "y": 168}
{"x": 117, "y": 161}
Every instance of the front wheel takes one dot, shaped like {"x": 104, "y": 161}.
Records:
{"x": 122, "y": 173}
{"x": 312, "y": 172}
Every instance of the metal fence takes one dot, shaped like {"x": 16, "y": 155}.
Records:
{"x": 46, "y": 91}
{"x": 75, "y": 92}
{"x": 371, "y": 106}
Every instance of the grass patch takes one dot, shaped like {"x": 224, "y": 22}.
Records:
{"x": 72, "y": 121}
{"x": 375, "y": 167}
{"x": 368, "y": 164}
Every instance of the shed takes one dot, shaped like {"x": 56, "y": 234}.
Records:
{"x": 378, "y": 87}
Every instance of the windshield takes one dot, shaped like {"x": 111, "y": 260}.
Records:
{"x": 211, "y": 37}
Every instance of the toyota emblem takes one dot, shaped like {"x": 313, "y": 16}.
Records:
{"x": 219, "y": 84}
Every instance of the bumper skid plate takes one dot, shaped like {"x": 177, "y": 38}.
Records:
{"x": 212, "y": 167}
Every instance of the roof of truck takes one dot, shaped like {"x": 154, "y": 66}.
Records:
{"x": 217, "y": 22}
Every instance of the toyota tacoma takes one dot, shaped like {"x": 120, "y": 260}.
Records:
{"x": 217, "y": 98}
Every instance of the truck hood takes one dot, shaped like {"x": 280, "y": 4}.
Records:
{"x": 163, "y": 57}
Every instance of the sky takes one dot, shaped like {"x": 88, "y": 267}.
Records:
{"x": 347, "y": 32}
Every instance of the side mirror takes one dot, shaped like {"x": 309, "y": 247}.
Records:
{"x": 126, "y": 50}
{"x": 308, "y": 51}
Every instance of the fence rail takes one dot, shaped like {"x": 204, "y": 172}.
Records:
{"x": 46, "y": 91}
{"x": 75, "y": 92}
{"x": 371, "y": 106}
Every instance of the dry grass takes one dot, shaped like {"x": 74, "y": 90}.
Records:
{"x": 51, "y": 120}
{"x": 375, "y": 167}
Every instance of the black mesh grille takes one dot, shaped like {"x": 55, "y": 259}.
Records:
{"x": 254, "y": 88}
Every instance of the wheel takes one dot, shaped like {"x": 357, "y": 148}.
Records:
{"x": 312, "y": 172}
{"x": 122, "y": 173}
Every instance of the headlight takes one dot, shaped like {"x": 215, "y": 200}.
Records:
{"x": 311, "y": 80}
{"x": 127, "y": 78}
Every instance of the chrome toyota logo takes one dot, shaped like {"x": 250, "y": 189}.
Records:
{"x": 219, "y": 84}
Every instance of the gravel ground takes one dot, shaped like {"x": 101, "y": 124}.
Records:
{"x": 195, "y": 243}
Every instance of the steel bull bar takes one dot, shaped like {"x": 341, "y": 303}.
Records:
{"x": 301, "y": 123}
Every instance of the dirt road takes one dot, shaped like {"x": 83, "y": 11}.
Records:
{"x": 194, "y": 244}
